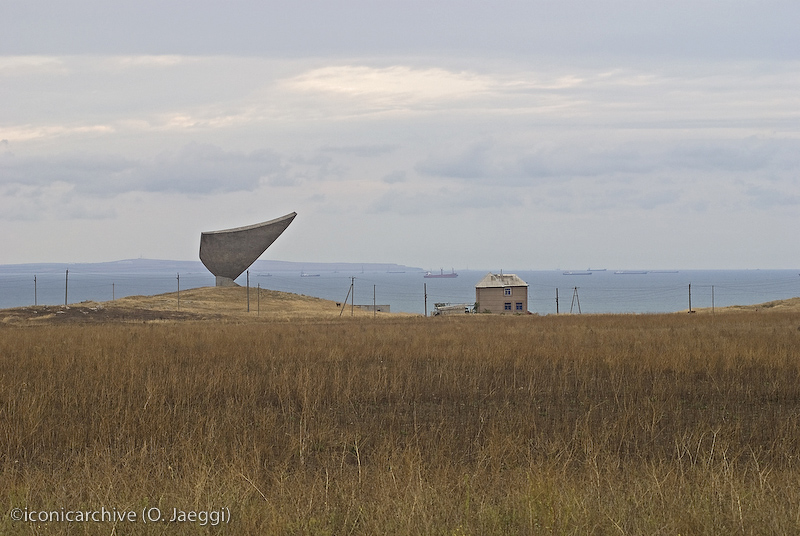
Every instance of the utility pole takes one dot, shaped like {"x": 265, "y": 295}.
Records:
{"x": 690, "y": 298}
{"x": 575, "y": 298}
{"x": 712, "y": 300}
{"x": 374, "y": 307}
{"x": 248, "y": 291}
{"x": 113, "y": 295}
{"x": 353, "y": 295}
{"x": 35, "y": 298}
{"x": 556, "y": 300}
{"x": 258, "y": 301}
{"x": 179, "y": 291}
{"x": 345, "y": 299}
{"x": 66, "y": 287}
{"x": 425, "y": 292}
{"x": 349, "y": 291}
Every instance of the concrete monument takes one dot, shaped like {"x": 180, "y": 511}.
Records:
{"x": 228, "y": 253}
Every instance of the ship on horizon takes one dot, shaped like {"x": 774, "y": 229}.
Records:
{"x": 441, "y": 274}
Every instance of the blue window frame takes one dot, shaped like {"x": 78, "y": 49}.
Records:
{"x": 519, "y": 306}
{"x": 508, "y": 306}
{"x": 506, "y": 292}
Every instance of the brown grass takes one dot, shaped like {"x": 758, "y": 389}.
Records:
{"x": 593, "y": 424}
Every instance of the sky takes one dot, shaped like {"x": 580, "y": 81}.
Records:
{"x": 570, "y": 134}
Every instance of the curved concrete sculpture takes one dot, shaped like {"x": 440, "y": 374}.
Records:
{"x": 228, "y": 253}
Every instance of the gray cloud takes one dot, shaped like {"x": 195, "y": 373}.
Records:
{"x": 315, "y": 168}
{"x": 194, "y": 168}
{"x": 449, "y": 201}
{"x": 202, "y": 168}
{"x": 734, "y": 155}
{"x": 29, "y": 203}
{"x": 394, "y": 177}
{"x": 505, "y": 28}
{"x": 761, "y": 197}
{"x": 80, "y": 170}
{"x": 360, "y": 150}
{"x": 507, "y": 166}
{"x": 471, "y": 163}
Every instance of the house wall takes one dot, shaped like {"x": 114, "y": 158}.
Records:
{"x": 493, "y": 299}
{"x": 370, "y": 307}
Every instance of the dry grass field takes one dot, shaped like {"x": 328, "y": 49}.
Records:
{"x": 311, "y": 423}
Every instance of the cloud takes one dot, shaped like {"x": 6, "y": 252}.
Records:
{"x": 512, "y": 166}
{"x": 79, "y": 171}
{"x": 472, "y": 162}
{"x": 193, "y": 169}
{"x": 394, "y": 177}
{"x": 624, "y": 176}
{"x": 445, "y": 200}
{"x": 766, "y": 198}
{"x": 54, "y": 201}
{"x": 365, "y": 151}
{"x": 354, "y": 90}
{"x": 500, "y": 29}
{"x": 401, "y": 81}
{"x": 205, "y": 168}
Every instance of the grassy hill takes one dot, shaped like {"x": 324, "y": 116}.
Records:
{"x": 205, "y": 303}
{"x": 791, "y": 305}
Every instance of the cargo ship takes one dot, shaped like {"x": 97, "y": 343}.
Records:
{"x": 440, "y": 275}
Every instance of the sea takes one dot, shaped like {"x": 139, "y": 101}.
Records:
{"x": 405, "y": 289}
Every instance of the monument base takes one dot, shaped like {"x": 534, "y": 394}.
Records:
{"x": 226, "y": 282}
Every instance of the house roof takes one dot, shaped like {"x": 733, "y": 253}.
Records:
{"x": 500, "y": 280}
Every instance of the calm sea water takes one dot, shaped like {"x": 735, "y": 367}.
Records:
{"x": 600, "y": 292}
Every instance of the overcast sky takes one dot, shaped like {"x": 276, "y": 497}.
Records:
{"x": 487, "y": 135}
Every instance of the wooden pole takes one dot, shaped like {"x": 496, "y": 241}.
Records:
{"x": 66, "y": 288}
{"x": 345, "y": 300}
{"x": 575, "y": 299}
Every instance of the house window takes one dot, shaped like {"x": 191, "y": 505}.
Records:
{"x": 519, "y": 306}
{"x": 508, "y": 306}
{"x": 507, "y": 292}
